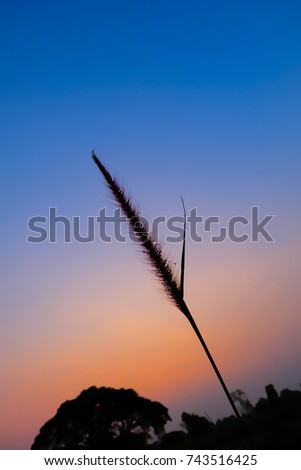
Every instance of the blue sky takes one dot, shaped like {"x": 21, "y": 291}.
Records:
{"x": 139, "y": 80}
{"x": 196, "y": 98}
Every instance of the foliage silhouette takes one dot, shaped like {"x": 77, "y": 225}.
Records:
{"x": 273, "y": 423}
{"x": 196, "y": 425}
{"x": 104, "y": 418}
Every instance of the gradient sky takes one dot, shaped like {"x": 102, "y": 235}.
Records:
{"x": 195, "y": 98}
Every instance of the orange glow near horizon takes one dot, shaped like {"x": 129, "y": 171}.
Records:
{"x": 152, "y": 348}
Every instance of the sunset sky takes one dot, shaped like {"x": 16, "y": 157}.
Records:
{"x": 198, "y": 99}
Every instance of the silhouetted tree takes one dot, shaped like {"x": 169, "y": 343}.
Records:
{"x": 272, "y": 394}
{"x": 241, "y": 398}
{"x": 104, "y": 418}
{"x": 196, "y": 425}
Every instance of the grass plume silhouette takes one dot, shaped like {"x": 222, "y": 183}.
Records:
{"x": 159, "y": 262}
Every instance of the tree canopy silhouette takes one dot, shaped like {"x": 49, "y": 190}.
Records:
{"x": 104, "y": 418}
